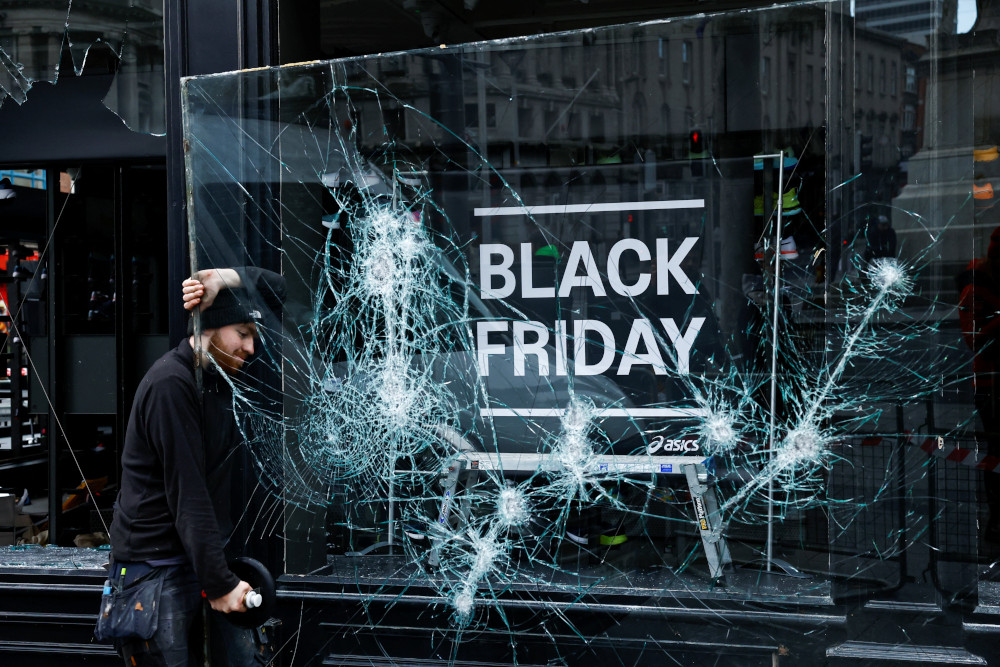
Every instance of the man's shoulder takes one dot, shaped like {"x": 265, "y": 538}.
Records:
{"x": 169, "y": 371}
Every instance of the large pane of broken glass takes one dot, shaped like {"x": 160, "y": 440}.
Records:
{"x": 665, "y": 314}
{"x": 124, "y": 38}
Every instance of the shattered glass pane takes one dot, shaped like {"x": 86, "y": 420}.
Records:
{"x": 53, "y": 559}
{"x": 654, "y": 316}
{"x": 36, "y": 42}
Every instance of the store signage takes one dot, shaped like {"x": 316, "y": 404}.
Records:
{"x": 547, "y": 342}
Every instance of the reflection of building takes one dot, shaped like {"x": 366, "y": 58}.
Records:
{"x": 659, "y": 87}
{"x": 912, "y": 20}
{"x": 938, "y": 192}
{"x": 879, "y": 90}
{"x": 792, "y": 75}
{"x": 541, "y": 108}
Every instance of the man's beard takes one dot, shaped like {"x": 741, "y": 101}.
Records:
{"x": 231, "y": 364}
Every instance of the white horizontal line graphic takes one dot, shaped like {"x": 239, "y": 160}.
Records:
{"x": 590, "y": 208}
{"x": 605, "y": 412}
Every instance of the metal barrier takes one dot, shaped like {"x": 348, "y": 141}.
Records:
{"x": 868, "y": 509}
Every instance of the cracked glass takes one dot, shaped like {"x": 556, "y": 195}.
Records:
{"x": 618, "y": 322}
{"x": 39, "y": 42}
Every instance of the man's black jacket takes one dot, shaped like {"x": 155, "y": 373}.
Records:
{"x": 167, "y": 504}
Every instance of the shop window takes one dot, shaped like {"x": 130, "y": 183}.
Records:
{"x": 510, "y": 325}
{"x": 43, "y": 44}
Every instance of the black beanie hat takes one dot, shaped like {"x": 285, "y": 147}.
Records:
{"x": 231, "y": 306}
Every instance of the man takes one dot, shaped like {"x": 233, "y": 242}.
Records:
{"x": 172, "y": 513}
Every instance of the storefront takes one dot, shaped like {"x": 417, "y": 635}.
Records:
{"x": 663, "y": 341}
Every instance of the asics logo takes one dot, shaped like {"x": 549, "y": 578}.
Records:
{"x": 661, "y": 444}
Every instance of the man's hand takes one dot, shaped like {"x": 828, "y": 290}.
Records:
{"x": 204, "y": 285}
{"x": 233, "y": 600}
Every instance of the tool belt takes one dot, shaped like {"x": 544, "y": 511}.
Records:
{"x": 130, "y": 602}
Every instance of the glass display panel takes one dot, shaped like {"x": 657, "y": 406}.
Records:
{"x": 658, "y": 315}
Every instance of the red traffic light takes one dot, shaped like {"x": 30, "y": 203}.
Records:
{"x": 696, "y": 145}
